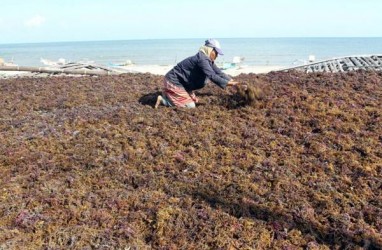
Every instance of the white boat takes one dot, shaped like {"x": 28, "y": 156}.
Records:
{"x": 236, "y": 61}
{"x": 47, "y": 62}
{"x": 4, "y": 63}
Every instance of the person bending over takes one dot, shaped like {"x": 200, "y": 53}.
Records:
{"x": 191, "y": 74}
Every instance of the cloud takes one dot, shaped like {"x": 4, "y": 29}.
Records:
{"x": 35, "y": 21}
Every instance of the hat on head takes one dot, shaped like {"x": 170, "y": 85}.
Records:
{"x": 213, "y": 43}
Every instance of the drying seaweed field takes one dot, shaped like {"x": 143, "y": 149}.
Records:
{"x": 88, "y": 163}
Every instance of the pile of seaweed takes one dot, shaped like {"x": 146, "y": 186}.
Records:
{"x": 89, "y": 163}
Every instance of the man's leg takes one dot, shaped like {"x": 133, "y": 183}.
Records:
{"x": 190, "y": 105}
{"x": 162, "y": 100}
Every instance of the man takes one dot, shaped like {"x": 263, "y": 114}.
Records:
{"x": 191, "y": 74}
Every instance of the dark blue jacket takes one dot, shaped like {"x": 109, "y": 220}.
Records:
{"x": 192, "y": 73}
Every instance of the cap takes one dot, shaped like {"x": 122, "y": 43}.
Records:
{"x": 213, "y": 43}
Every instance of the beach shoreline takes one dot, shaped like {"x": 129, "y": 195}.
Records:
{"x": 159, "y": 70}
{"x": 233, "y": 71}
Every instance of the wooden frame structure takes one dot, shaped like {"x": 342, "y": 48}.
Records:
{"x": 344, "y": 64}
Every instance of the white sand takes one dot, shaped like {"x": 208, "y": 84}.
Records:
{"x": 8, "y": 74}
{"x": 162, "y": 70}
{"x": 251, "y": 69}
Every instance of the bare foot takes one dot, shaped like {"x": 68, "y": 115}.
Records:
{"x": 159, "y": 101}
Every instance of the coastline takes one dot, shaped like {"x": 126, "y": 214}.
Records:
{"x": 159, "y": 70}
{"x": 233, "y": 71}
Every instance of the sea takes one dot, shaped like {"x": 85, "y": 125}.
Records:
{"x": 251, "y": 51}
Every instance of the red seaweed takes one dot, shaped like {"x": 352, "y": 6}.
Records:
{"x": 293, "y": 162}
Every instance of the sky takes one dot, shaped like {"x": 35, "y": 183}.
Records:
{"x": 26, "y": 21}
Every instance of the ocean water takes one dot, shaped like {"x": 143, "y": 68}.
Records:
{"x": 255, "y": 51}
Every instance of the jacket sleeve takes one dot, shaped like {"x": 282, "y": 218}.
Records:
{"x": 220, "y": 73}
{"x": 210, "y": 72}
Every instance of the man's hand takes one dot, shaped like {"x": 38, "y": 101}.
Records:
{"x": 232, "y": 83}
{"x": 237, "y": 84}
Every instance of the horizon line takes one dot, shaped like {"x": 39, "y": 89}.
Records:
{"x": 195, "y": 38}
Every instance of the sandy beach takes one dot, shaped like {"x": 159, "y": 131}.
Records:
{"x": 119, "y": 130}
{"x": 162, "y": 70}
{"x": 234, "y": 71}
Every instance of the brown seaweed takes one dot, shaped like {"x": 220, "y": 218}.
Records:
{"x": 293, "y": 162}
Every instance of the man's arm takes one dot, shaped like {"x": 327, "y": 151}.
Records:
{"x": 220, "y": 72}
{"x": 210, "y": 72}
